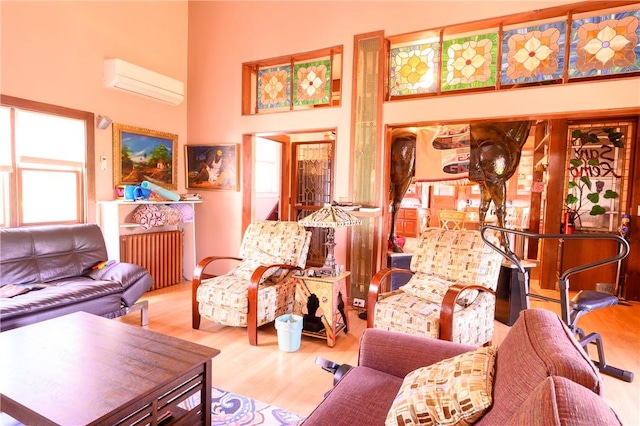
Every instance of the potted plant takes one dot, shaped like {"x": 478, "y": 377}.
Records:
{"x": 582, "y": 189}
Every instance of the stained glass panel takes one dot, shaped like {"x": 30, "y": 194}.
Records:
{"x": 534, "y": 53}
{"x": 413, "y": 69}
{"x": 312, "y": 81}
{"x": 605, "y": 44}
{"x": 469, "y": 62}
{"x": 274, "y": 87}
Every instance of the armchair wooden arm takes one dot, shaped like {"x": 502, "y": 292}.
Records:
{"x": 448, "y": 306}
{"x": 197, "y": 280}
{"x": 252, "y": 295}
{"x": 380, "y": 284}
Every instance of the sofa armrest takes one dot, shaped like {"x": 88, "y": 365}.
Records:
{"x": 134, "y": 280}
{"x": 448, "y": 306}
{"x": 399, "y": 353}
{"x": 380, "y": 284}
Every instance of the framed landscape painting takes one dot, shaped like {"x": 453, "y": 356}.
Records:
{"x": 143, "y": 154}
{"x": 212, "y": 166}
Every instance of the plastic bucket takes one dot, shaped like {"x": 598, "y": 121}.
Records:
{"x": 289, "y": 329}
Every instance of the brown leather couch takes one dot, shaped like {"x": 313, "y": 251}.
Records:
{"x": 57, "y": 262}
{"x": 542, "y": 376}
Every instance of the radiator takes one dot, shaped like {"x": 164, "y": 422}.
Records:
{"x": 158, "y": 252}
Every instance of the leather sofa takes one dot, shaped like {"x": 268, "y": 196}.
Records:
{"x": 57, "y": 264}
{"x": 541, "y": 376}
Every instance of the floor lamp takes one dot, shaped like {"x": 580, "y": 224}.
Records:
{"x": 331, "y": 217}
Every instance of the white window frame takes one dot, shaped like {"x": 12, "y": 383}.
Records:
{"x": 10, "y": 182}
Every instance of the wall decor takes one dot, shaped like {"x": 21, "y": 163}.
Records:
{"x": 142, "y": 154}
{"x": 212, "y": 166}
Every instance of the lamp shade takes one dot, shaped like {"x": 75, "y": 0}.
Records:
{"x": 330, "y": 217}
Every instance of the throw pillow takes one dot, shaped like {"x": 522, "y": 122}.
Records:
{"x": 454, "y": 391}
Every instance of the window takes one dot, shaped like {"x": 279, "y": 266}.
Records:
{"x": 298, "y": 82}
{"x": 597, "y": 174}
{"x": 570, "y": 43}
{"x": 44, "y": 172}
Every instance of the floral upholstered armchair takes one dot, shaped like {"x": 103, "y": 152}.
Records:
{"x": 261, "y": 287}
{"x": 451, "y": 292}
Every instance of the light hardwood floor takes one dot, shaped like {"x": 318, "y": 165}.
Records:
{"x": 294, "y": 382}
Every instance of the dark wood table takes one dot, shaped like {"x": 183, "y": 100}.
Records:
{"x": 82, "y": 369}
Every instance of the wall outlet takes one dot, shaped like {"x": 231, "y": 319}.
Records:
{"x": 358, "y": 303}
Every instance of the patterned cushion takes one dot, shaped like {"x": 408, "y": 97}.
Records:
{"x": 247, "y": 267}
{"x": 454, "y": 391}
{"x": 223, "y": 300}
{"x": 283, "y": 240}
{"x": 433, "y": 289}
{"x": 405, "y": 313}
{"x": 457, "y": 256}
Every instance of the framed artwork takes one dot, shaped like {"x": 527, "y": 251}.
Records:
{"x": 143, "y": 154}
{"x": 212, "y": 166}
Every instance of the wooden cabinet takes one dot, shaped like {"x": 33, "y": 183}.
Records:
{"x": 407, "y": 223}
{"x": 580, "y": 252}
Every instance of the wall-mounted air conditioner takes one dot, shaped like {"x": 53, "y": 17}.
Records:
{"x": 135, "y": 79}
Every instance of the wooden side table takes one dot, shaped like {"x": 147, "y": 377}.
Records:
{"x": 331, "y": 291}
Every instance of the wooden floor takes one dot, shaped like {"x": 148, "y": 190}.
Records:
{"x": 294, "y": 382}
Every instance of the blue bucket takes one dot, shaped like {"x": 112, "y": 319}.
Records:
{"x": 289, "y": 329}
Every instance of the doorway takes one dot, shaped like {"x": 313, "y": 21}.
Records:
{"x": 287, "y": 176}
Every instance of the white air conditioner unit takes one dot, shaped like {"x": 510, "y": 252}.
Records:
{"x": 135, "y": 79}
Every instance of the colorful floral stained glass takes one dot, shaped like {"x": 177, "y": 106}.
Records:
{"x": 413, "y": 69}
{"x": 605, "y": 44}
{"x": 312, "y": 83}
{"x": 469, "y": 62}
{"x": 274, "y": 87}
{"x": 533, "y": 54}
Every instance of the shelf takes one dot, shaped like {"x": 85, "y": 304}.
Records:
{"x": 369, "y": 212}
{"x": 543, "y": 141}
{"x": 132, "y": 203}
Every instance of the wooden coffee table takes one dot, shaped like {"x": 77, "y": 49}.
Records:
{"x": 82, "y": 369}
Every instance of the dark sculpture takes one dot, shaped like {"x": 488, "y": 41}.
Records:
{"x": 495, "y": 155}
{"x": 403, "y": 169}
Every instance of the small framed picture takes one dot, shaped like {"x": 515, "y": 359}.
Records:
{"x": 212, "y": 167}
{"x": 143, "y": 154}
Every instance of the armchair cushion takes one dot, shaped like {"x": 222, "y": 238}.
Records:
{"x": 406, "y": 313}
{"x": 433, "y": 289}
{"x": 223, "y": 300}
{"x": 453, "y": 391}
{"x": 246, "y": 267}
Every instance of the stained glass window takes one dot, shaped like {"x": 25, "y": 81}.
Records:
{"x": 469, "y": 62}
{"x": 533, "y": 53}
{"x": 605, "y": 44}
{"x": 274, "y": 87}
{"x": 413, "y": 68}
{"x": 312, "y": 82}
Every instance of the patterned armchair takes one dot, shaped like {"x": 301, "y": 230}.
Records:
{"x": 450, "y": 294}
{"x": 261, "y": 287}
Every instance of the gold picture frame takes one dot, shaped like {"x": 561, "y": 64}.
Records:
{"x": 142, "y": 154}
{"x": 212, "y": 166}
